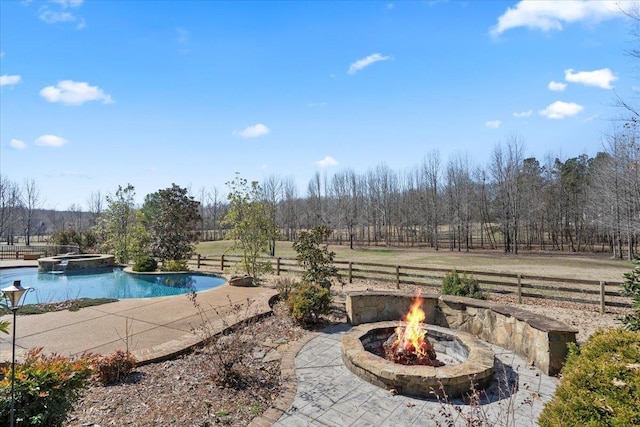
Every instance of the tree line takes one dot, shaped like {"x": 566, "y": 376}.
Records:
{"x": 514, "y": 203}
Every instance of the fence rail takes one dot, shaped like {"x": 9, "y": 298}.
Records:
{"x": 596, "y": 292}
{"x": 33, "y": 251}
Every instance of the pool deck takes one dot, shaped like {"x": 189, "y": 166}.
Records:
{"x": 155, "y": 328}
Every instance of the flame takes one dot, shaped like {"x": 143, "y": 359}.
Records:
{"x": 411, "y": 336}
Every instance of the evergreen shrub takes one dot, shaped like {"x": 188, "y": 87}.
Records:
{"x": 453, "y": 284}
{"x": 600, "y": 384}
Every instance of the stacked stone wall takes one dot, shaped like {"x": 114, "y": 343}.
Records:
{"x": 541, "y": 340}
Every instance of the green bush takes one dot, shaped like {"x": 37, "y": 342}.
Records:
{"x": 600, "y": 383}
{"x": 631, "y": 288}
{"x": 453, "y": 284}
{"x": 114, "y": 367}
{"x": 145, "y": 264}
{"x": 174, "y": 265}
{"x": 314, "y": 256}
{"x": 45, "y": 388}
{"x": 308, "y": 302}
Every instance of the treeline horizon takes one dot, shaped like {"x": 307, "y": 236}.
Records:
{"x": 514, "y": 203}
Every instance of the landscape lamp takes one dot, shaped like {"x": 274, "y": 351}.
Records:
{"x": 14, "y": 294}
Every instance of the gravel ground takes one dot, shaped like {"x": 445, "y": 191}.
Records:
{"x": 184, "y": 392}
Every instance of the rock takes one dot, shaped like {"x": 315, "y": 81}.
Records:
{"x": 242, "y": 281}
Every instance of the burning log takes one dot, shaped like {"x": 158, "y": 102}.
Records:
{"x": 424, "y": 355}
{"x": 409, "y": 344}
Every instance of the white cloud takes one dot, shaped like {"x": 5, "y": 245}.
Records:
{"x": 547, "y": 15}
{"x": 557, "y": 86}
{"x": 53, "y": 17}
{"x": 317, "y": 104}
{"x": 560, "y": 110}
{"x": 600, "y": 78}
{"x": 365, "y": 62}
{"x": 51, "y": 141}
{"x": 17, "y": 144}
{"x": 1, "y": 53}
{"x": 327, "y": 161}
{"x": 253, "y": 131}
{"x": 61, "y": 12}
{"x": 9, "y": 80}
{"x": 74, "y": 93}
{"x": 523, "y": 114}
{"x": 493, "y": 124}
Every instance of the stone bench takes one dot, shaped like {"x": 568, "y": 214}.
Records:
{"x": 540, "y": 340}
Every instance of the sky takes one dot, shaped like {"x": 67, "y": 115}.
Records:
{"x": 99, "y": 94}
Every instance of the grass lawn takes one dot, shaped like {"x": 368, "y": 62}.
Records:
{"x": 580, "y": 266}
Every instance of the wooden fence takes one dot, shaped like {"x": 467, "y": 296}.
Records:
{"x": 601, "y": 293}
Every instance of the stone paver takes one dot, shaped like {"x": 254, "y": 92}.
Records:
{"x": 328, "y": 394}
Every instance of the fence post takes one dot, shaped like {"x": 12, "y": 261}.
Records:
{"x": 222, "y": 262}
{"x": 602, "y": 291}
{"x": 199, "y": 261}
{"x": 519, "y": 288}
{"x": 350, "y": 272}
{"x": 397, "y": 277}
{"x": 278, "y": 266}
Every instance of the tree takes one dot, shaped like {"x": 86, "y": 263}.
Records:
{"x": 314, "y": 256}
{"x": 95, "y": 204}
{"x": 119, "y": 230}
{"x": 171, "y": 218}
{"x": 252, "y": 226}
{"x": 31, "y": 202}
{"x": 10, "y": 202}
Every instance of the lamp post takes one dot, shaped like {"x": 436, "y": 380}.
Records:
{"x": 14, "y": 294}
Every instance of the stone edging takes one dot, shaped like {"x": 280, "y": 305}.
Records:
{"x": 289, "y": 384}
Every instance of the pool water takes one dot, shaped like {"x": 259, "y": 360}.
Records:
{"x": 113, "y": 283}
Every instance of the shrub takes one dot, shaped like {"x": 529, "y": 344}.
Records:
{"x": 228, "y": 353}
{"x": 600, "y": 383}
{"x": 631, "y": 288}
{"x": 45, "y": 388}
{"x": 174, "y": 265}
{"x": 453, "y": 284}
{"x": 285, "y": 285}
{"x": 113, "y": 368}
{"x": 308, "y": 302}
{"x": 145, "y": 263}
{"x": 314, "y": 257}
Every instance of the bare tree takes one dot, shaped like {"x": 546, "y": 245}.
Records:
{"x": 30, "y": 201}
{"x": 272, "y": 195}
{"x": 10, "y": 203}
{"x": 95, "y": 204}
{"x": 505, "y": 169}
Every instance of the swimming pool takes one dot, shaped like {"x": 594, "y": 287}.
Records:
{"x": 112, "y": 283}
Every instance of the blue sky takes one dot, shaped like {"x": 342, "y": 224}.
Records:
{"x": 96, "y": 94}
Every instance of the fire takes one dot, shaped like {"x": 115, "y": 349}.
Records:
{"x": 411, "y": 337}
{"x": 409, "y": 344}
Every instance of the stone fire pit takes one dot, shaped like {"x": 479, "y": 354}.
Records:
{"x": 466, "y": 360}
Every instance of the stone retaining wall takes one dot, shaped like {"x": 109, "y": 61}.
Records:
{"x": 541, "y": 340}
